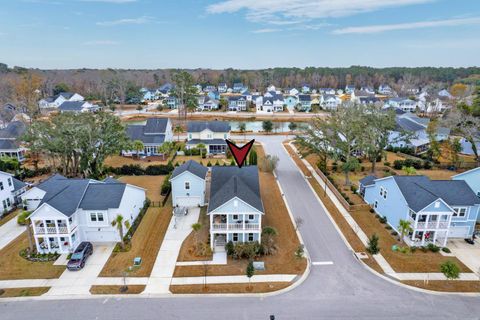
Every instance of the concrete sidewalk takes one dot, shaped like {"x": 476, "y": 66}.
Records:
{"x": 166, "y": 261}
{"x": 234, "y": 279}
{"x": 9, "y": 232}
{"x": 219, "y": 258}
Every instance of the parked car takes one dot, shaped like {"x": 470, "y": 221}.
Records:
{"x": 80, "y": 256}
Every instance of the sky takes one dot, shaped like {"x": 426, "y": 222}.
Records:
{"x": 244, "y": 34}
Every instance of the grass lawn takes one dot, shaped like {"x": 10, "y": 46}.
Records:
{"x": 187, "y": 252}
{"x": 13, "y": 267}
{"x": 276, "y": 215}
{"x": 132, "y": 289}
{"x": 400, "y": 262}
{"x": 23, "y": 292}
{"x": 118, "y": 161}
{"x": 153, "y": 185}
{"x": 447, "y": 286}
{"x": 9, "y": 217}
{"x": 340, "y": 221}
{"x": 229, "y": 288}
{"x": 145, "y": 244}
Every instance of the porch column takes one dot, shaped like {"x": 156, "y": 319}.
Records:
{"x": 56, "y": 226}
{"x": 48, "y": 244}
{"x": 45, "y": 225}
{"x": 439, "y": 217}
{"x": 434, "y": 237}
{"x": 36, "y": 243}
{"x": 243, "y": 222}
{"x": 445, "y": 239}
{"x": 423, "y": 238}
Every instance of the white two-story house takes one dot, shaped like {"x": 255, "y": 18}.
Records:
{"x": 235, "y": 207}
{"x": 69, "y": 211}
{"x": 10, "y": 191}
{"x": 153, "y": 134}
{"x": 57, "y": 100}
{"x": 330, "y": 101}
{"x": 212, "y": 134}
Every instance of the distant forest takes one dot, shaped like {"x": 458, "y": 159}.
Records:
{"x": 97, "y": 83}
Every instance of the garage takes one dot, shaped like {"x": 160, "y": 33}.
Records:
{"x": 191, "y": 201}
{"x": 458, "y": 232}
{"x": 101, "y": 236}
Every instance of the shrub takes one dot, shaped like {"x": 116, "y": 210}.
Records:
{"x": 209, "y": 164}
{"x": 353, "y": 188}
{"x": 371, "y": 210}
{"x": 413, "y": 249}
{"x": 427, "y": 165}
{"x": 394, "y": 233}
{"x": 299, "y": 252}
{"x": 217, "y": 163}
{"x": 229, "y": 248}
{"x": 166, "y": 186}
{"x": 446, "y": 250}
{"x": 387, "y": 164}
{"x": 373, "y": 247}
{"x": 398, "y": 164}
{"x": 383, "y": 219}
{"x": 433, "y": 247}
{"x": 22, "y": 218}
{"x": 424, "y": 249}
{"x": 450, "y": 270}
{"x": 388, "y": 227}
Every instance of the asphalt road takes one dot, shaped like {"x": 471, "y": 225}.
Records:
{"x": 344, "y": 290}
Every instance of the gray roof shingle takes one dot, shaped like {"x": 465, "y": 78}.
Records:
{"x": 230, "y": 182}
{"x": 192, "y": 167}
{"x": 368, "y": 180}
{"x": 215, "y": 126}
{"x": 420, "y": 191}
{"x": 156, "y": 126}
{"x": 103, "y": 196}
{"x": 13, "y": 130}
{"x": 153, "y": 132}
{"x": 17, "y": 184}
{"x": 207, "y": 142}
{"x": 71, "y": 106}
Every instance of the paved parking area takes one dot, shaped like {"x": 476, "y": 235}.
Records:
{"x": 467, "y": 253}
{"x": 79, "y": 282}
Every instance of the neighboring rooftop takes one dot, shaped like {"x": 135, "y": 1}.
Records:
{"x": 153, "y": 132}
{"x": 13, "y": 130}
{"x": 192, "y": 167}
{"x": 215, "y": 126}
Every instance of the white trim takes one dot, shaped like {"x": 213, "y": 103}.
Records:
{"x": 434, "y": 205}
{"x": 466, "y": 172}
{"x": 216, "y": 211}
{"x": 194, "y": 175}
{"x": 46, "y": 204}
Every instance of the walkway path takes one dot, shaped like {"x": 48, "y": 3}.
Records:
{"x": 10, "y": 231}
{"x": 164, "y": 266}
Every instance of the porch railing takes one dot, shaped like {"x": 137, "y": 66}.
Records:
{"x": 431, "y": 225}
{"x": 236, "y": 226}
{"x": 51, "y": 230}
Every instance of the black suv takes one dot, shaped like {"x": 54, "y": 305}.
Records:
{"x": 79, "y": 257}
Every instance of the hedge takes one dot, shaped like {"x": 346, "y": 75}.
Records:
{"x": 137, "y": 170}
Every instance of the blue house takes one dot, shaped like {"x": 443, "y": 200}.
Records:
{"x": 235, "y": 207}
{"x": 304, "y": 102}
{"x": 238, "y": 87}
{"x": 467, "y": 147}
{"x": 188, "y": 184}
{"x": 290, "y": 102}
{"x": 472, "y": 178}
{"x": 437, "y": 210}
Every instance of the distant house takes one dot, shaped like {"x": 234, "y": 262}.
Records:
{"x": 403, "y": 104}
{"x": 10, "y": 146}
{"x": 7, "y": 114}
{"x": 293, "y": 92}
{"x": 189, "y": 184}
{"x": 368, "y": 89}
{"x": 69, "y": 211}
{"x": 238, "y": 87}
{"x": 444, "y": 93}
{"x": 10, "y": 191}
{"x": 77, "y": 107}
{"x": 209, "y": 88}
{"x": 153, "y": 134}
{"x": 304, "y": 103}
{"x": 222, "y": 87}
{"x": 290, "y": 102}
{"x": 327, "y": 91}
{"x": 205, "y": 103}
{"x": 349, "y": 89}
{"x": 438, "y": 210}
{"x": 356, "y": 95}
{"x": 166, "y": 88}
{"x": 385, "y": 89}
{"x": 271, "y": 88}
{"x": 330, "y": 101}
{"x": 467, "y": 147}
{"x": 305, "y": 88}
{"x": 271, "y": 102}
{"x": 57, "y": 100}
{"x": 235, "y": 206}
{"x": 368, "y": 100}
{"x": 212, "y": 134}
{"x": 472, "y": 178}
{"x": 416, "y": 128}
{"x": 237, "y": 103}
{"x": 172, "y": 102}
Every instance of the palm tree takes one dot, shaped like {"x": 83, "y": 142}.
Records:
{"x": 119, "y": 223}
{"x": 268, "y": 241}
{"x": 178, "y": 129}
{"x": 201, "y": 146}
{"x": 138, "y": 146}
{"x": 196, "y": 230}
{"x": 405, "y": 227}
{"x": 242, "y": 128}
{"x": 29, "y": 234}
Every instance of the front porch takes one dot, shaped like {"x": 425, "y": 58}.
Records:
{"x": 18, "y": 154}
{"x": 56, "y": 244}
{"x": 55, "y": 235}
{"x": 425, "y": 237}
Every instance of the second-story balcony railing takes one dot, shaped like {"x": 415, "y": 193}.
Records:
{"x": 51, "y": 230}
{"x": 235, "y": 226}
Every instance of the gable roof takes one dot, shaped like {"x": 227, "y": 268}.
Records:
{"x": 368, "y": 180}
{"x": 230, "y": 182}
{"x": 420, "y": 191}
{"x": 13, "y": 130}
{"x": 153, "y": 132}
{"x": 156, "y": 126}
{"x": 67, "y": 195}
{"x": 215, "y": 126}
{"x": 304, "y": 97}
{"x": 17, "y": 184}
{"x": 192, "y": 167}
{"x": 72, "y": 105}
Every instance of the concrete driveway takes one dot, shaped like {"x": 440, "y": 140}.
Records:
{"x": 9, "y": 232}
{"x": 467, "y": 253}
{"x": 79, "y": 282}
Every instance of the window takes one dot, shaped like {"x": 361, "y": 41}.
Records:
{"x": 250, "y": 237}
{"x": 385, "y": 194}
{"x": 381, "y": 191}
{"x": 190, "y": 136}
{"x": 459, "y": 212}
{"x": 1, "y": 185}
{"x": 224, "y": 136}
{"x": 100, "y": 216}
{"x": 4, "y": 204}
{"x": 187, "y": 185}
{"x": 235, "y": 237}
{"x": 93, "y": 217}
{"x": 8, "y": 202}
{"x": 9, "y": 182}
{"x": 251, "y": 217}
{"x": 235, "y": 217}
{"x": 375, "y": 204}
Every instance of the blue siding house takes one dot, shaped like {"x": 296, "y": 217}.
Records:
{"x": 235, "y": 206}
{"x": 188, "y": 185}
{"x": 472, "y": 178}
{"x": 438, "y": 210}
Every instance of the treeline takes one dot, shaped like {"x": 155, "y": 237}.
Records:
{"x": 101, "y": 84}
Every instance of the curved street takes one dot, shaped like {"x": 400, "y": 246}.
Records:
{"x": 342, "y": 290}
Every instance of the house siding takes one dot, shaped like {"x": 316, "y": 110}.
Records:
{"x": 197, "y": 188}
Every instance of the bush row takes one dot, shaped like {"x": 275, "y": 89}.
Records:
{"x": 137, "y": 170}
{"x": 417, "y": 164}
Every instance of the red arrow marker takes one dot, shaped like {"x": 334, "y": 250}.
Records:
{"x": 240, "y": 153}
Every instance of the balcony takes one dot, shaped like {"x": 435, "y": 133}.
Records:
{"x": 428, "y": 225}
{"x": 235, "y": 226}
{"x": 51, "y": 230}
